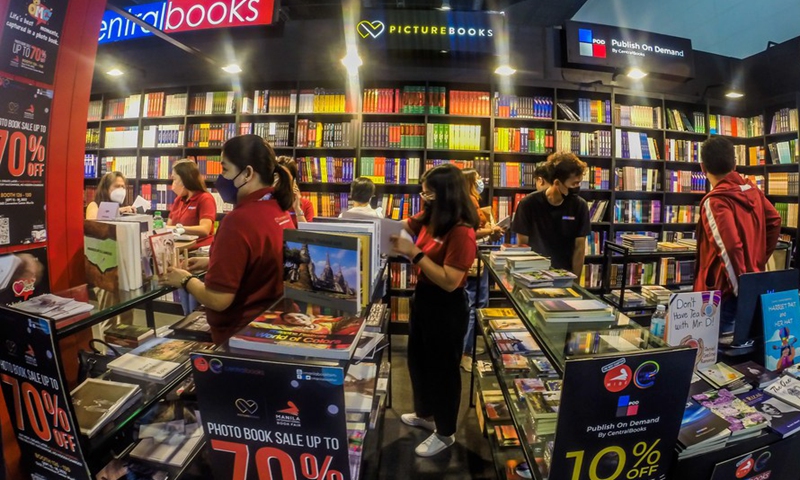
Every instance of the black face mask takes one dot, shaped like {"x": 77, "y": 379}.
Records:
{"x": 573, "y": 191}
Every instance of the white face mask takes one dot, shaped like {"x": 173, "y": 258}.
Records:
{"x": 118, "y": 195}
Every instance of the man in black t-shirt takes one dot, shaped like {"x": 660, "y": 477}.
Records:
{"x": 555, "y": 221}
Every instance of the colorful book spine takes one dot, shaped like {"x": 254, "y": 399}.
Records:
{"x": 597, "y": 143}
{"x": 513, "y": 106}
{"x": 523, "y": 140}
{"x": 637, "y": 211}
{"x": 393, "y": 135}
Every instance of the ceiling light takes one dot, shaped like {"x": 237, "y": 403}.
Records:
{"x": 445, "y": 6}
{"x": 232, "y": 68}
{"x": 636, "y": 74}
{"x": 443, "y": 51}
{"x": 505, "y": 70}
{"x": 352, "y": 61}
{"x": 115, "y": 72}
{"x": 734, "y": 94}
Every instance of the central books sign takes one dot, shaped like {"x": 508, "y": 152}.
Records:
{"x": 607, "y": 46}
{"x": 182, "y": 15}
{"x": 417, "y": 30}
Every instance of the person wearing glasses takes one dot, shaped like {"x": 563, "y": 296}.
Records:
{"x": 443, "y": 253}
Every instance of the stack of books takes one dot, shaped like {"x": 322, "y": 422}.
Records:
{"x": 639, "y": 243}
{"x": 586, "y": 310}
{"x": 47, "y": 305}
{"x": 128, "y": 336}
{"x": 721, "y": 375}
{"x": 632, "y": 299}
{"x": 784, "y": 419}
{"x": 656, "y": 294}
{"x": 543, "y": 407}
{"x": 757, "y": 375}
{"x": 673, "y": 247}
{"x": 507, "y": 342}
{"x": 530, "y": 295}
{"x": 158, "y": 360}
{"x": 743, "y": 420}
{"x": 168, "y": 443}
{"x": 527, "y": 263}
{"x": 701, "y": 431}
{"x": 98, "y": 402}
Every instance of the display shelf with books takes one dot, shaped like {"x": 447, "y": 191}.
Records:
{"x": 528, "y": 354}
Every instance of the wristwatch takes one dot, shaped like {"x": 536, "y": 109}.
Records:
{"x": 417, "y": 258}
{"x": 185, "y": 281}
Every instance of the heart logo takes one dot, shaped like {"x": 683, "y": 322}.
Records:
{"x": 23, "y": 288}
{"x": 246, "y": 406}
{"x": 18, "y": 287}
{"x": 13, "y": 107}
{"x": 374, "y": 28}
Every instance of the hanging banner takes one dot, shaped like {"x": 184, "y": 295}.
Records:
{"x": 24, "y": 120}
{"x": 38, "y": 400}
{"x": 23, "y": 275}
{"x": 620, "y": 48}
{"x": 272, "y": 420}
{"x": 775, "y": 461}
{"x": 31, "y": 36}
{"x": 637, "y": 406}
{"x": 417, "y": 30}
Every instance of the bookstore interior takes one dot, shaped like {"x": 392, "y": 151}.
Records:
{"x": 596, "y": 207}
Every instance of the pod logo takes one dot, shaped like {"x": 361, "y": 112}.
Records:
{"x": 627, "y": 407}
{"x": 590, "y": 46}
{"x": 372, "y": 29}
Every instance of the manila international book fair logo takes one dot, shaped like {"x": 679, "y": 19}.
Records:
{"x": 367, "y": 28}
{"x": 591, "y": 46}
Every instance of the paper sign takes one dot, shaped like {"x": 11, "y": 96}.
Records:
{"x": 140, "y": 202}
{"x": 108, "y": 211}
{"x": 693, "y": 320}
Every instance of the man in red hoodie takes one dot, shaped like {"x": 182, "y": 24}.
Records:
{"x": 737, "y": 232}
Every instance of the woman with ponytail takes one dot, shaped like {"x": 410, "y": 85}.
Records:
{"x": 245, "y": 269}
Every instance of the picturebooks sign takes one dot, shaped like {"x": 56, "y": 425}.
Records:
{"x": 637, "y": 404}
{"x": 38, "y": 399}
{"x": 272, "y": 420}
{"x": 693, "y": 320}
{"x": 781, "y": 312}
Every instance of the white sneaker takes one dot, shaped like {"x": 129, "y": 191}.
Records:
{"x": 434, "y": 444}
{"x": 412, "y": 420}
{"x": 466, "y": 363}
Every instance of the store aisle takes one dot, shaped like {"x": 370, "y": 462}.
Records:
{"x": 469, "y": 458}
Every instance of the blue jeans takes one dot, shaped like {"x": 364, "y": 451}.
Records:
{"x": 188, "y": 302}
{"x": 477, "y": 299}
{"x": 727, "y": 314}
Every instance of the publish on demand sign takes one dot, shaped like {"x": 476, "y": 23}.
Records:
{"x": 430, "y": 30}
{"x": 605, "y": 46}
{"x": 181, "y": 15}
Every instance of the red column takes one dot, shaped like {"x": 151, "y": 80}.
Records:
{"x": 64, "y": 171}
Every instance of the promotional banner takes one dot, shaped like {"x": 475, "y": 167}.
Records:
{"x": 24, "y": 120}
{"x": 183, "y": 15}
{"x": 606, "y": 46}
{"x": 38, "y": 400}
{"x": 417, "y": 30}
{"x": 637, "y": 405}
{"x": 776, "y": 461}
{"x": 693, "y": 320}
{"x": 268, "y": 420}
{"x": 23, "y": 275}
{"x": 31, "y": 35}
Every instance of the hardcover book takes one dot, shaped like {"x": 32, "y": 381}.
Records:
{"x": 323, "y": 268}
{"x": 302, "y": 329}
{"x": 781, "y": 312}
{"x": 97, "y": 402}
{"x": 155, "y": 360}
{"x": 783, "y": 418}
{"x": 506, "y": 435}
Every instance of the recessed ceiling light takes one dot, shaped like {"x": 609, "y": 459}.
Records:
{"x": 505, "y": 70}
{"x": 232, "y": 68}
{"x": 734, "y": 94}
{"x": 115, "y": 72}
{"x": 636, "y": 73}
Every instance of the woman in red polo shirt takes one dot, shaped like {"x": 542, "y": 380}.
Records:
{"x": 194, "y": 208}
{"x": 443, "y": 253}
{"x": 245, "y": 269}
{"x": 302, "y": 209}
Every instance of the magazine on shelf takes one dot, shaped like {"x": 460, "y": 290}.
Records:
{"x": 323, "y": 268}
{"x": 302, "y": 329}
{"x": 156, "y": 360}
{"x": 97, "y": 402}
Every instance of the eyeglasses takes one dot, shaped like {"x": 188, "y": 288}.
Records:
{"x": 428, "y": 196}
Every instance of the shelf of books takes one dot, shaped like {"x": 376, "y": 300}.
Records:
{"x": 551, "y": 321}
{"x": 642, "y": 149}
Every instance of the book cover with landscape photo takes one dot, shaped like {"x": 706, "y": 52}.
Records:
{"x": 100, "y": 255}
{"x": 323, "y": 269}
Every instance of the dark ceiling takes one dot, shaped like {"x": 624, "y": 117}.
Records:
{"x": 286, "y": 50}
